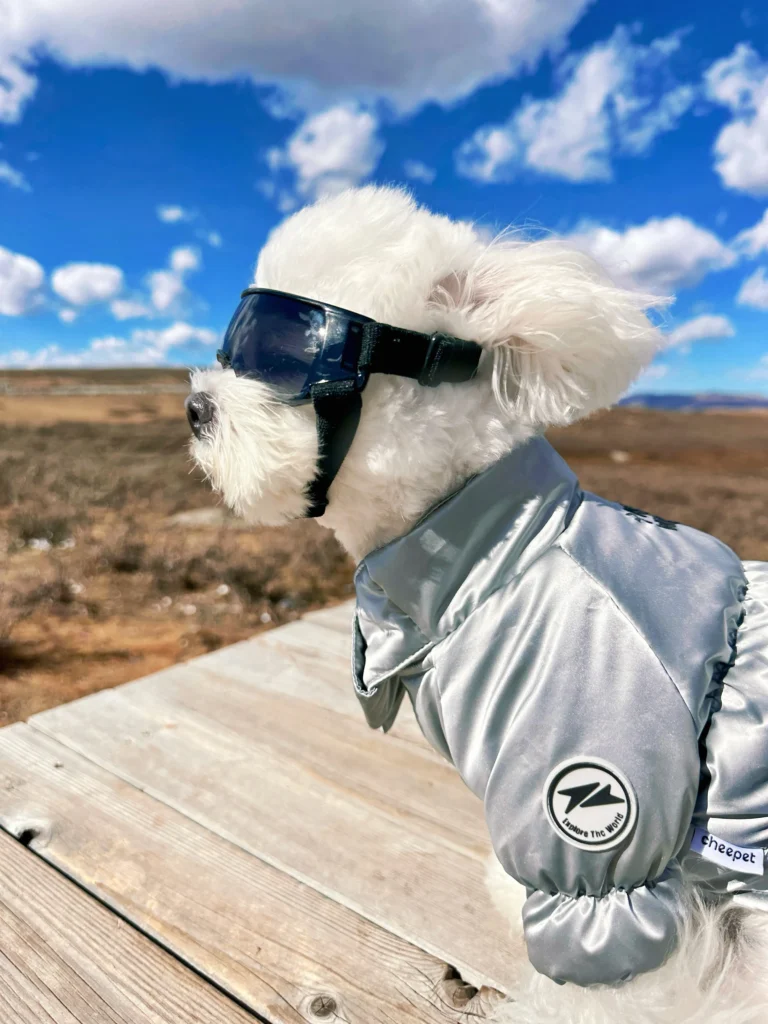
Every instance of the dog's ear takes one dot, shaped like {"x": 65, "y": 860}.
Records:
{"x": 565, "y": 340}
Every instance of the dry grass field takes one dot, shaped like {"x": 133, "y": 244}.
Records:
{"x": 116, "y": 560}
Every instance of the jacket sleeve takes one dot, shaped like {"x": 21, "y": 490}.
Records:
{"x": 560, "y": 716}
{"x": 606, "y": 939}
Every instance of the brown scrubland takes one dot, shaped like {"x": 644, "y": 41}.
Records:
{"x": 117, "y": 561}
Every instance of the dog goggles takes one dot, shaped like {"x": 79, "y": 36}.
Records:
{"x": 309, "y": 351}
{"x": 294, "y": 344}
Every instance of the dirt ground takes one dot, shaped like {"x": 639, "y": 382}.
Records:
{"x": 115, "y": 560}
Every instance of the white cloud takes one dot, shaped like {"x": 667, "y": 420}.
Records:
{"x": 406, "y": 52}
{"x": 661, "y": 117}
{"x": 754, "y": 240}
{"x": 737, "y": 81}
{"x": 147, "y": 346}
{"x": 143, "y": 348}
{"x": 21, "y": 278}
{"x": 754, "y": 291}
{"x": 283, "y": 198}
{"x": 177, "y": 334}
{"x": 13, "y": 177}
{"x": 659, "y": 256}
{"x": 419, "y": 171}
{"x": 50, "y": 355}
{"x": 330, "y": 151}
{"x": 656, "y": 371}
{"x": 174, "y": 214}
{"x": 166, "y": 286}
{"x": 706, "y": 327}
{"x": 489, "y": 155}
{"x": 759, "y": 371}
{"x": 17, "y": 86}
{"x": 569, "y": 136}
{"x": 740, "y": 83}
{"x": 618, "y": 96}
{"x": 181, "y": 215}
{"x": 67, "y": 316}
{"x": 286, "y": 202}
{"x": 128, "y": 309}
{"x": 184, "y": 258}
{"x": 649, "y": 376}
{"x": 84, "y": 283}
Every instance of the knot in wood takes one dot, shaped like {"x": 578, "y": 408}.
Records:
{"x": 323, "y": 1006}
{"x": 459, "y": 992}
{"x": 27, "y": 836}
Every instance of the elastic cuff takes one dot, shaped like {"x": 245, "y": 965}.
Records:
{"x": 604, "y": 940}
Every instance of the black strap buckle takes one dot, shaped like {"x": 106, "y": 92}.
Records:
{"x": 449, "y": 361}
{"x": 431, "y": 359}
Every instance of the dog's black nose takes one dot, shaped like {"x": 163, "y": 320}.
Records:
{"x": 200, "y": 410}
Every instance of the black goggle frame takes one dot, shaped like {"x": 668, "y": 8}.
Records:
{"x": 368, "y": 347}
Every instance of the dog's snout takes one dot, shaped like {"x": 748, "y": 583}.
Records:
{"x": 200, "y": 411}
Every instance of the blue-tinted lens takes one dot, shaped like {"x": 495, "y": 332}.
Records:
{"x": 278, "y": 340}
{"x": 291, "y": 343}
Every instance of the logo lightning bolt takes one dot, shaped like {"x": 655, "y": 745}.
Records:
{"x": 581, "y": 796}
{"x": 577, "y": 794}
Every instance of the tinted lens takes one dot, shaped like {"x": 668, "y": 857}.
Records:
{"x": 278, "y": 340}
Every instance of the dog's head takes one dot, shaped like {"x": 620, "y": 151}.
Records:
{"x": 560, "y": 340}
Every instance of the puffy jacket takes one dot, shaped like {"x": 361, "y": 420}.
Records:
{"x": 599, "y": 677}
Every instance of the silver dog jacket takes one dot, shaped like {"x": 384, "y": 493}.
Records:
{"x": 599, "y": 677}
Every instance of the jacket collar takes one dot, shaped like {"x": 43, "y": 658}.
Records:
{"x": 418, "y": 588}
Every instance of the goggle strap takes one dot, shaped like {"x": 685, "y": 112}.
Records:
{"x": 431, "y": 359}
{"x": 337, "y": 410}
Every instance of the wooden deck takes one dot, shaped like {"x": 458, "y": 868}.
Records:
{"x": 227, "y": 841}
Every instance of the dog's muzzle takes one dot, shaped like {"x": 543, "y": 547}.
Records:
{"x": 201, "y": 410}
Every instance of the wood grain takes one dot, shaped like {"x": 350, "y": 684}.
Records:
{"x": 329, "y": 675}
{"x": 338, "y": 618}
{"x": 363, "y": 818}
{"x": 66, "y": 959}
{"x": 278, "y": 945}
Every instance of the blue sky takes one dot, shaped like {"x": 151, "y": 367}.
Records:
{"x": 147, "y": 150}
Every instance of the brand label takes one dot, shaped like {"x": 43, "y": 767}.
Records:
{"x": 738, "y": 858}
{"x": 590, "y": 803}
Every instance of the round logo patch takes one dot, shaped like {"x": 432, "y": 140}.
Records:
{"x": 590, "y": 803}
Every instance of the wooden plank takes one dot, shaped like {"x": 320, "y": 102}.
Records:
{"x": 66, "y": 959}
{"x": 370, "y": 822}
{"x": 296, "y": 750}
{"x": 338, "y": 618}
{"x": 303, "y": 642}
{"x": 301, "y": 659}
{"x": 278, "y": 945}
{"x": 306, "y": 660}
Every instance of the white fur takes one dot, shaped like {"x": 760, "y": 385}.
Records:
{"x": 259, "y": 449}
{"x": 716, "y": 976}
{"x": 561, "y": 340}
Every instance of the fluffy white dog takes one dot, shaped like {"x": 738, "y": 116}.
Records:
{"x": 559, "y": 341}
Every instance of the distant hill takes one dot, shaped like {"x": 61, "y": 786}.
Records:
{"x": 704, "y": 400}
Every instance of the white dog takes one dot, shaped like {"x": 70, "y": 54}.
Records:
{"x": 440, "y": 485}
